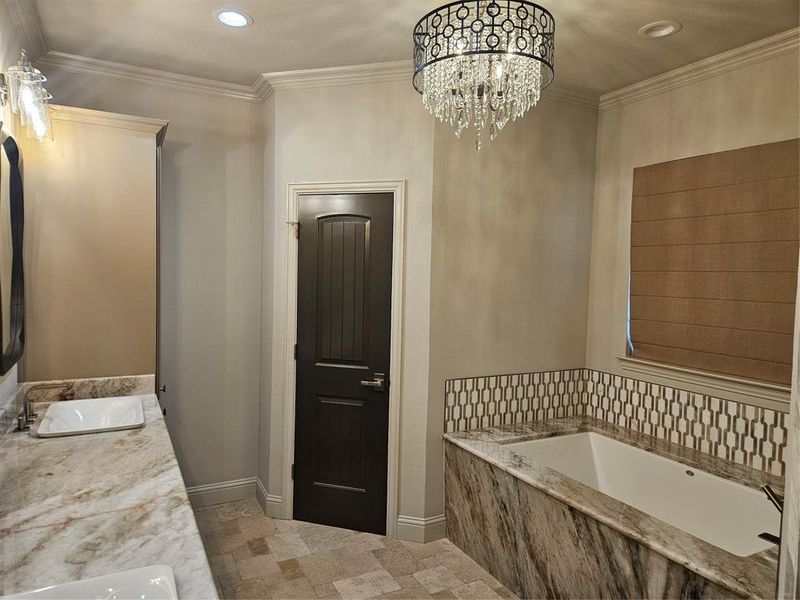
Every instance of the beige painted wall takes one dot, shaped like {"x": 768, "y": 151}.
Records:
{"x": 11, "y": 42}
{"x": 358, "y": 132}
{"x": 752, "y": 104}
{"x": 211, "y": 266}
{"x": 789, "y": 576}
{"x": 90, "y": 252}
{"x": 510, "y": 255}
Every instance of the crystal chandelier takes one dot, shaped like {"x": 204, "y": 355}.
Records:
{"x": 482, "y": 63}
{"x": 22, "y": 86}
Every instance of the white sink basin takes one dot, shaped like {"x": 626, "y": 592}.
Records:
{"x": 73, "y": 417}
{"x": 147, "y": 583}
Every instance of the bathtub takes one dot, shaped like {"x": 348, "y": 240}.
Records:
{"x": 721, "y": 512}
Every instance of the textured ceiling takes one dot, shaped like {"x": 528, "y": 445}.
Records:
{"x": 597, "y": 46}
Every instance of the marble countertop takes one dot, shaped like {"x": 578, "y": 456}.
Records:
{"x": 750, "y": 576}
{"x": 83, "y": 506}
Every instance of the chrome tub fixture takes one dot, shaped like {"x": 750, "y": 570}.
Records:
{"x": 21, "y": 85}
{"x": 483, "y": 63}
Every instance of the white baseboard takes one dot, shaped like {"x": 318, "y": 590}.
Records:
{"x": 420, "y": 529}
{"x": 224, "y": 491}
{"x": 271, "y": 504}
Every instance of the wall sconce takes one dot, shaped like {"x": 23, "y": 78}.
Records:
{"x": 22, "y": 87}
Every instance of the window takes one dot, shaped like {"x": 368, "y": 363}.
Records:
{"x": 714, "y": 251}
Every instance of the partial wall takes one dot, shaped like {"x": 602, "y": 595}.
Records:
{"x": 510, "y": 253}
{"x": 347, "y": 133}
{"x": 743, "y": 98}
{"x": 210, "y": 258}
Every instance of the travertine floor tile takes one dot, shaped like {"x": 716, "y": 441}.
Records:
{"x": 257, "y": 526}
{"x": 291, "y": 569}
{"x": 247, "y": 590}
{"x": 258, "y": 546}
{"x": 287, "y": 545}
{"x": 410, "y": 589}
{"x": 368, "y": 585}
{"x": 255, "y": 557}
{"x": 293, "y": 588}
{"x": 327, "y": 591}
{"x": 477, "y": 590}
{"x": 398, "y": 561}
{"x": 420, "y": 551}
{"x": 321, "y": 568}
{"x": 356, "y": 563}
{"x": 437, "y": 579}
{"x": 258, "y": 566}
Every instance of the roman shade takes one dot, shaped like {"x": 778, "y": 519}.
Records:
{"x": 714, "y": 250}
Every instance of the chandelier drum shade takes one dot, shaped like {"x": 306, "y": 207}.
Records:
{"x": 483, "y": 63}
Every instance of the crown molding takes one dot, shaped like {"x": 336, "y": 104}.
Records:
{"x": 184, "y": 83}
{"x": 776, "y": 45}
{"x": 267, "y": 83}
{"x": 26, "y": 19}
{"x": 562, "y": 95}
{"x": 73, "y": 114}
{"x": 262, "y": 88}
{"x": 336, "y": 76}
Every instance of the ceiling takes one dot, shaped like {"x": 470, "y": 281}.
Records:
{"x": 597, "y": 46}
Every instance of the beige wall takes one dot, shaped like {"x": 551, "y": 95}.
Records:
{"x": 210, "y": 240}
{"x": 351, "y": 133}
{"x": 789, "y": 577}
{"x": 11, "y": 42}
{"x": 752, "y": 104}
{"x": 510, "y": 255}
{"x": 90, "y": 251}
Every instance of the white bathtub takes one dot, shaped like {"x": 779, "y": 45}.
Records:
{"x": 721, "y": 512}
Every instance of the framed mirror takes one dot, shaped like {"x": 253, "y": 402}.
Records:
{"x": 12, "y": 285}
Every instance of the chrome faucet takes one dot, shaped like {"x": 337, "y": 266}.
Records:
{"x": 26, "y": 415}
{"x": 777, "y": 502}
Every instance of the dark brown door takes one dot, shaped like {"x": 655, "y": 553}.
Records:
{"x": 343, "y": 327}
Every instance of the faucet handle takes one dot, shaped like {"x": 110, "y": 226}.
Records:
{"x": 774, "y": 497}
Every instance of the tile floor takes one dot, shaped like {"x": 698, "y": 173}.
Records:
{"x": 253, "y": 556}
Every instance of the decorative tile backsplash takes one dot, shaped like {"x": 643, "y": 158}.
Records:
{"x": 734, "y": 431}
{"x": 478, "y": 402}
{"x": 741, "y": 433}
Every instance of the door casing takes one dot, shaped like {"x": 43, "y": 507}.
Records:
{"x": 293, "y": 193}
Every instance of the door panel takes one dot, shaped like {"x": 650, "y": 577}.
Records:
{"x": 344, "y": 303}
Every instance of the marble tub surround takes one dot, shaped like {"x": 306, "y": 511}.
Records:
{"x": 78, "y": 507}
{"x": 741, "y": 433}
{"x": 481, "y": 471}
{"x": 542, "y": 548}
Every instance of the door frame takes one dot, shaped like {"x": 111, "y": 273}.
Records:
{"x": 294, "y": 191}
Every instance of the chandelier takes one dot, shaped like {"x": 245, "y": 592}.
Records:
{"x": 483, "y": 63}
{"x": 22, "y": 86}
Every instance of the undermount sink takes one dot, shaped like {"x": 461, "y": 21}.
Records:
{"x": 147, "y": 583}
{"x": 74, "y": 417}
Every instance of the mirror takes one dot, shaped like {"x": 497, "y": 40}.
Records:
{"x": 12, "y": 294}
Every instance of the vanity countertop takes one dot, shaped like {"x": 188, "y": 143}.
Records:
{"x": 88, "y": 505}
{"x": 749, "y": 576}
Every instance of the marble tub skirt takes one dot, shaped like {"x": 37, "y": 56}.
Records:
{"x": 545, "y": 535}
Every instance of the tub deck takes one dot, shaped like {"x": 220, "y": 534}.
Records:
{"x": 751, "y": 576}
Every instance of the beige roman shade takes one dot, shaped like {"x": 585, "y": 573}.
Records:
{"x": 714, "y": 250}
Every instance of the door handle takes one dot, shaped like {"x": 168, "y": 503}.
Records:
{"x": 378, "y": 384}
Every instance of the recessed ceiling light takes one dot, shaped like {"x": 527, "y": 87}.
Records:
{"x": 232, "y": 17}
{"x": 660, "y": 29}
